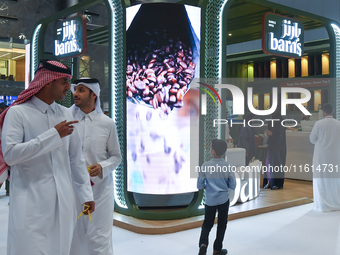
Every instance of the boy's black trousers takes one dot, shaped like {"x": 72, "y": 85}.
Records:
{"x": 209, "y": 218}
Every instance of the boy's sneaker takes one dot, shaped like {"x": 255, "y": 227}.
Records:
{"x": 203, "y": 250}
{"x": 222, "y": 252}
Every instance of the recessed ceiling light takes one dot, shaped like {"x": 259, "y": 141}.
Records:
{"x": 230, "y": 34}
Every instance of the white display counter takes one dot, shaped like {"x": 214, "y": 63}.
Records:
{"x": 236, "y": 156}
{"x": 299, "y": 153}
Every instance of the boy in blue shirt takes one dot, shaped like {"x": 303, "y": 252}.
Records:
{"x": 216, "y": 177}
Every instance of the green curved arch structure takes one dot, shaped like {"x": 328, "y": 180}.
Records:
{"x": 214, "y": 15}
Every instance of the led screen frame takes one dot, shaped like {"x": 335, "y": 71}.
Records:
{"x": 136, "y": 171}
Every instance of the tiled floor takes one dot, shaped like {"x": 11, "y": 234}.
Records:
{"x": 294, "y": 231}
{"x": 295, "y": 193}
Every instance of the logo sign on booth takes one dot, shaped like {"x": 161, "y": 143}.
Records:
{"x": 282, "y": 36}
{"x": 70, "y": 37}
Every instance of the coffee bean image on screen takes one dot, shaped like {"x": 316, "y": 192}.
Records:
{"x": 160, "y": 62}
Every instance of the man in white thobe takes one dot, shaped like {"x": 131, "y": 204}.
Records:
{"x": 43, "y": 151}
{"x": 102, "y": 155}
{"x": 326, "y": 162}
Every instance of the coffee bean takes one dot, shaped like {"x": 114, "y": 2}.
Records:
{"x": 187, "y": 80}
{"x": 139, "y": 85}
{"x": 154, "y": 102}
{"x": 184, "y": 65}
{"x": 146, "y": 91}
{"x": 132, "y": 89}
{"x": 152, "y": 78}
{"x": 159, "y": 96}
{"x": 160, "y": 79}
{"x": 180, "y": 95}
{"x": 160, "y": 69}
{"x": 129, "y": 69}
{"x": 173, "y": 91}
{"x": 182, "y": 83}
{"x": 188, "y": 71}
{"x": 179, "y": 70}
{"x": 171, "y": 70}
{"x": 172, "y": 98}
{"x": 176, "y": 86}
{"x": 178, "y": 104}
{"x": 146, "y": 99}
{"x": 149, "y": 72}
{"x": 164, "y": 107}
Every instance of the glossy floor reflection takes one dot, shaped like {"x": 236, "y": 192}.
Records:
{"x": 294, "y": 231}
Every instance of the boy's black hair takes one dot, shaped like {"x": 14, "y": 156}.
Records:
{"x": 219, "y": 146}
{"x": 327, "y": 108}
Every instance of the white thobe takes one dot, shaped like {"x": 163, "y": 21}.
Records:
{"x": 42, "y": 212}
{"x": 326, "y": 184}
{"x": 227, "y": 132}
{"x": 228, "y": 136}
{"x": 100, "y": 146}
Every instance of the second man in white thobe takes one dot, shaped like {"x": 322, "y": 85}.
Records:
{"x": 326, "y": 162}
{"x": 102, "y": 155}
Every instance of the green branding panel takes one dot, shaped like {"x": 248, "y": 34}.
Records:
{"x": 70, "y": 37}
{"x": 282, "y": 36}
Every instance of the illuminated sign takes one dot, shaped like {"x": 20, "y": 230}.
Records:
{"x": 282, "y": 36}
{"x": 307, "y": 83}
{"x": 248, "y": 179}
{"x": 71, "y": 37}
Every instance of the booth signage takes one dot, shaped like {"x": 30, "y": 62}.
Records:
{"x": 247, "y": 183}
{"x": 71, "y": 37}
{"x": 307, "y": 83}
{"x": 282, "y": 36}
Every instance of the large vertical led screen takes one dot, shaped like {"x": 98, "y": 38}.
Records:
{"x": 163, "y": 45}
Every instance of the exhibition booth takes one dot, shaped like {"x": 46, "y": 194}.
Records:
{"x": 148, "y": 64}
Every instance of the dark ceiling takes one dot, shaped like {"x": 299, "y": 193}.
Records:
{"x": 244, "y": 21}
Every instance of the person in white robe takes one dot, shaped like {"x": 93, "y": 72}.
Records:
{"x": 326, "y": 162}
{"x": 41, "y": 145}
{"x": 102, "y": 155}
